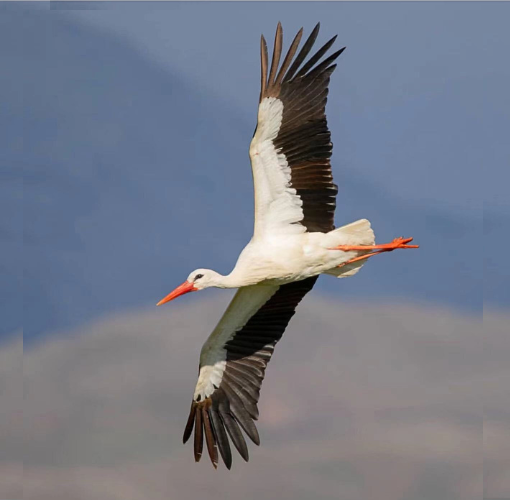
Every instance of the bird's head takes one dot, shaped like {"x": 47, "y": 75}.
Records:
{"x": 197, "y": 280}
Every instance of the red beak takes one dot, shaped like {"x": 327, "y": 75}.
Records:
{"x": 186, "y": 287}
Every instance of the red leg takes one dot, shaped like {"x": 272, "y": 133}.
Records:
{"x": 387, "y": 247}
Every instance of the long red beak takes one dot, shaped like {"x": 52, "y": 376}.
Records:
{"x": 186, "y": 287}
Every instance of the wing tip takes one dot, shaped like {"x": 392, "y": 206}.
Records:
{"x": 271, "y": 86}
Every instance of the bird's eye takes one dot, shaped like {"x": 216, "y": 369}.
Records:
{"x": 198, "y": 276}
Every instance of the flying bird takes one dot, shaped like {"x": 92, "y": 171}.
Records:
{"x": 294, "y": 241}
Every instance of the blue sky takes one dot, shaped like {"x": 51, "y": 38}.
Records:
{"x": 131, "y": 126}
{"x": 137, "y": 119}
{"x": 436, "y": 66}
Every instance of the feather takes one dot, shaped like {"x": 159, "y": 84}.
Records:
{"x": 288, "y": 58}
{"x": 303, "y": 53}
{"x": 221, "y": 437}
{"x": 209, "y": 437}
{"x": 263, "y": 66}
{"x": 235, "y": 434}
{"x": 310, "y": 63}
{"x": 199, "y": 441}
{"x": 189, "y": 424}
{"x": 277, "y": 52}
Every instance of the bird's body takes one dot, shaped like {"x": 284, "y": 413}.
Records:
{"x": 294, "y": 241}
{"x": 285, "y": 258}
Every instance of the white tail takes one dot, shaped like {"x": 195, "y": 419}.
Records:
{"x": 347, "y": 270}
{"x": 356, "y": 233}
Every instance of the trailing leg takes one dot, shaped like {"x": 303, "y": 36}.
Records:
{"x": 386, "y": 247}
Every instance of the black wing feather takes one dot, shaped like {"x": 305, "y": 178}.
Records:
{"x": 234, "y": 403}
{"x": 304, "y": 137}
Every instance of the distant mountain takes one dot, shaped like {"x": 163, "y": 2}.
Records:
{"x": 354, "y": 394}
{"x": 133, "y": 177}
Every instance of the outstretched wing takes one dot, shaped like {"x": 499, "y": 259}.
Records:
{"x": 232, "y": 366}
{"x": 291, "y": 149}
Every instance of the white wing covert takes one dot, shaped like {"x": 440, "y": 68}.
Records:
{"x": 291, "y": 149}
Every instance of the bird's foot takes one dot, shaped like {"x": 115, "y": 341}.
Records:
{"x": 386, "y": 247}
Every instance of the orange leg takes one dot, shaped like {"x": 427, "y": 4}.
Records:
{"x": 387, "y": 247}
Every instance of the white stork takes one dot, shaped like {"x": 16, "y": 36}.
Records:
{"x": 294, "y": 241}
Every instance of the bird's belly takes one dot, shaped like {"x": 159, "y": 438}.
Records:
{"x": 289, "y": 259}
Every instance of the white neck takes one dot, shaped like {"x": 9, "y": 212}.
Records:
{"x": 229, "y": 281}
{"x": 235, "y": 279}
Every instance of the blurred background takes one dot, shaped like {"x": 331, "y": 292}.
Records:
{"x": 131, "y": 124}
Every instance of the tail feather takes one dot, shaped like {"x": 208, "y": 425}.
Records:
{"x": 356, "y": 233}
{"x": 347, "y": 270}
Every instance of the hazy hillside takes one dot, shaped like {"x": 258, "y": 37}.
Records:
{"x": 133, "y": 177}
{"x": 372, "y": 402}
